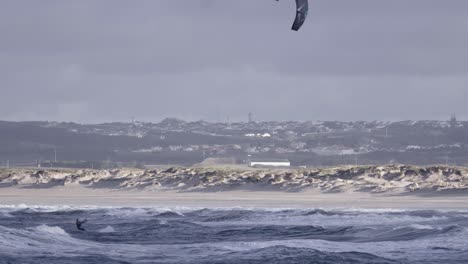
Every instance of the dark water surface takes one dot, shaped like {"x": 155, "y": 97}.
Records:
{"x": 183, "y": 235}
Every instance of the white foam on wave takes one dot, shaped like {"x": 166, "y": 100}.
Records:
{"x": 107, "y": 229}
{"x": 55, "y": 230}
{"x": 175, "y": 212}
{"x": 422, "y": 227}
{"x": 46, "y": 208}
{"x": 403, "y": 210}
{"x": 184, "y": 209}
{"x": 335, "y": 218}
{"x": 127, "y": 212}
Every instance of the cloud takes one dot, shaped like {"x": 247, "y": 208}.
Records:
{"x": 110, "y": 60}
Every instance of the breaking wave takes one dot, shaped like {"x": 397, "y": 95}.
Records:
{"x": 183, "y": 235}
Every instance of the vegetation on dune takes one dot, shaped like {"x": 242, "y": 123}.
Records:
{"x": 377, "y": 179}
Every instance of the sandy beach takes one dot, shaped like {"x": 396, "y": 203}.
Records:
{"x": 80, "y": 196}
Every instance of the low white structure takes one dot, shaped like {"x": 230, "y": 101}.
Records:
{"x": 268, "y": 163}
{"x": 264, "y": 135}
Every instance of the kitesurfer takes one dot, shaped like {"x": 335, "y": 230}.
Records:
{"x": 79, "y": 224}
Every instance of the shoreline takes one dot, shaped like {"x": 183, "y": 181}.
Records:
{"x": 82, "y": 197}
{"x": 363, "y": 187}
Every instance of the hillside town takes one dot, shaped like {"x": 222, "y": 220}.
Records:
{"x": 176, "y": 141}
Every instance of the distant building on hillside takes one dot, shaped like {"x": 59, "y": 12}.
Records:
{"x": 268, "y": 163}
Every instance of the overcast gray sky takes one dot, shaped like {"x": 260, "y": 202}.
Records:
{"x": 109, "y": 60}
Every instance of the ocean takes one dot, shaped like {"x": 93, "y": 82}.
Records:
{"x": 47, "y": 234}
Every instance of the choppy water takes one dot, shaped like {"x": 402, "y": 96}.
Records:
{"x": 158, "y": 235}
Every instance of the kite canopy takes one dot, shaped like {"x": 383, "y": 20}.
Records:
{"x": 302, "y": 8}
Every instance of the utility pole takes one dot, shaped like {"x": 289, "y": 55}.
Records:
{"x": 8, "y": 164}
{"x": 228, "y": 122}
{"x": 453, "y": 121}
{"x": 55, "y": 155}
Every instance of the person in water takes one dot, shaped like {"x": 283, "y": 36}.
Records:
{"x": 79, "y": 224}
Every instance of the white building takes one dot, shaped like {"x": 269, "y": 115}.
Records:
{"x": 268, "y": 163}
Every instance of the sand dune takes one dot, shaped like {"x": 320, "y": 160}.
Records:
{"x": 392, "y": 186}
{"x": 390, "y": 179}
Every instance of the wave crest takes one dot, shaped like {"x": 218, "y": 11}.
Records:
{"x": 55, "y": 230}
